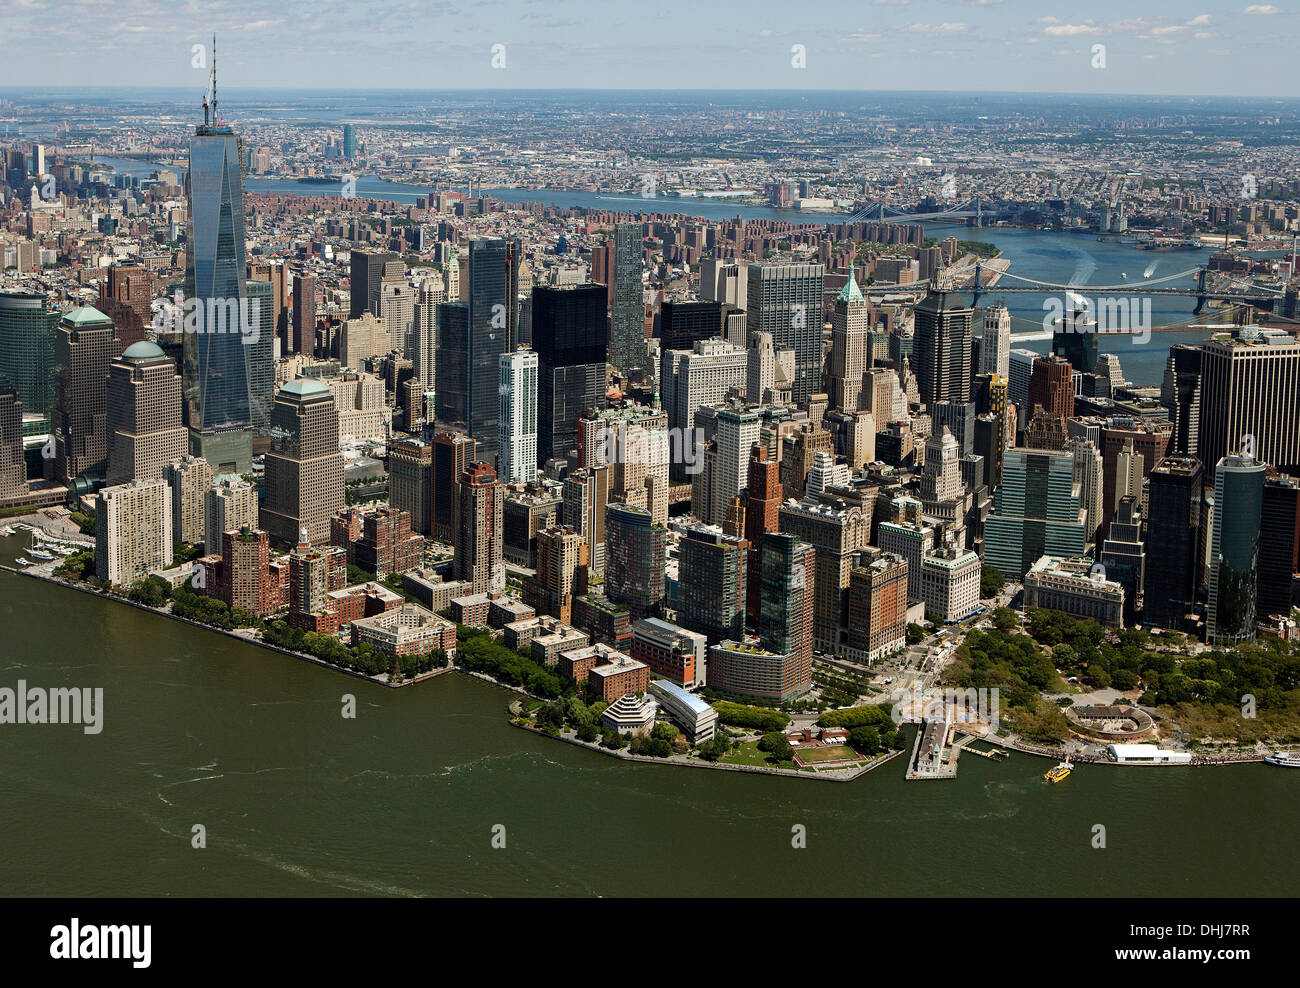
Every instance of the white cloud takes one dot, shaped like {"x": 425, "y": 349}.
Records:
{"x": 1264, "y": 9}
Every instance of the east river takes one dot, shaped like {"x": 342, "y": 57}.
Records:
{"x": 294, "y": 799}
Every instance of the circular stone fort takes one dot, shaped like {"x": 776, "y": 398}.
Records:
{"x": 1117, "y": 722}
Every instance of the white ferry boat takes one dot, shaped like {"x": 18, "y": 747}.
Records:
{"x": 1287, "y": 759}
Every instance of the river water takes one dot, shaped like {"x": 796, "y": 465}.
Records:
{"x": 296, "y": 800}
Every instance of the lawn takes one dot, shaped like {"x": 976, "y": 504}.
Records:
{"x": 832, "y": 753}
{"x": 748, "y": 754}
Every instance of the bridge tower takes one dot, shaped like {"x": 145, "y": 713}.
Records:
{"x": 979, "y": 211}
{"x": 1202, "y": 279}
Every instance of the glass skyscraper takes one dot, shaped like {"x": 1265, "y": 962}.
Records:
{"x": 1234, "y": 550}
{"x": 493, "y": 301}
{"x": 27, "y": 325}
{"x": 260, "y": 355}
{"x": 785, "y": 299}
{"x": 216, "y": 367}
{"x": 627, "y": 348}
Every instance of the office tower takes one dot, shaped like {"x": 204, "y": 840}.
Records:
{"x": 941, "y": 355}
{"x": 452, "y": 364}
{"x": 950, "y": 583}
{"x": 493, "y": 300}
{"x": 760, "y": 369}
{"x": 190, "y": 479}
{"x": 850, "y": 347}
{"x": 737, "y": 429}
{"x": 1074, "y": 339}
{"x": 478, "y": 529}
{"x": 518, "y": 416}
{"x": 712, "y": 583}
{"x": 349, "y": 141}
{"x": 397, "y": 313}
{"x": 785, "y": 299}
{"x": 276, "y": 273}
{"x": 410, "y": 468}
{"x": 27, "y": 330}
{"x": 586, "y": 493}
{"x": 995, "y": 346}
{"x": 724, "y": 281}
{"x": 366, "y": 280}
{"x": 1173, "y": 540}
{"x": 1051, "y": 386}
{"x": 452, "y": 455}
{"x": 13, "y": 464}
{"x": 259, "y": 357}
{"x": 941, "y": 474}
{"x": 1279, "y": 544}
{"x": 634, "y": 560}
{"x": 230, "y": 503}
{"x": 877, "y": 606}
{"x": 762, "y": 515}
{"x": 682, "y": 323}
{"x": 133, "y": 531}
{"x": 304, "y": 469}
{"x": 1150, "y": 441}
{"x": 84, "y": 347}
{"x": 826, "y": 474}
{"x": 1123, "y": 553}
{"x": 1180, "y": 393}
{"x": 702, "y": 375}
{"x": 909, "y": 540}
{"x": 1037, "y": 511}
{"x": 387, "y": 544}
{"x": 126, "y": 297}
{"x": 215, "y": 366}
{"x": 785, "y": 623}
{"x": 836, "y": 530}
{"x": 627, "y": 347}
{"x": 304, "y": 315}
{"x": 430, "y": 294}
{"x": 561, "y": 573}
{"x": 569, "y": 335}
{"x": 1020, "y": 365}
{"x": 1234, "y": 550}
{"x": 1250, "y": 386}
{"x": 1129, "y": 473}
{"x": 958, "y": 418}
{"x": 145, "y": 431}
{"x": 1088, "y": 475}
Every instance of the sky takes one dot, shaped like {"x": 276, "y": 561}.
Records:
{"x": 1181, "y": 47}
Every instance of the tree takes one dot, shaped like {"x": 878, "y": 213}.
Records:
{"x": 991, "y": 581}
{"x": 776, "y": 745}
{"x": 715, "y": 747}
{"x": 865, "y": 740}
{"x": 915, "y": 634}
{"x": 1004, "y": 618}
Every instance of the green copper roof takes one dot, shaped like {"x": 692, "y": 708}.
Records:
{"x": 85, "y": 316}
{"x": 304, "y": 387}
{"x": 851, "y": 292}
{"x": 143, "y": 350}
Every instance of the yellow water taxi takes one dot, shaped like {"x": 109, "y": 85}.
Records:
{"x": 1060, "y": 772}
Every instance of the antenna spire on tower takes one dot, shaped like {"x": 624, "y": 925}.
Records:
{"x": 214, "y": 78}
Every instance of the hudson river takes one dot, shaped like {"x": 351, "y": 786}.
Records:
{"x": 201, "y": 729}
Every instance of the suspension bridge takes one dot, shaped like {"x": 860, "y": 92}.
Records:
{"x": 882, "y": 212}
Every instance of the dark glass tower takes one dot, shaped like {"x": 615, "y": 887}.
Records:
{"x": 27, "y": 326}
{"x": 570, "y": 339}
{"x": 1279, "y": 543}
{"x": 1234, "y": 550}
{"x": 941, "y": 352}
{"x": 627, "y": 349}
{"x": 216, "y": 369}
{"x": 493, "y": 302}
{"x": 451, "y": 364}
{"x": 1173, "y": 540}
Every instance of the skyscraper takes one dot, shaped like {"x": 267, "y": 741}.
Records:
{"x": 479, "y": 528}
{"x": 1074, "y": 339}
{"x": 1250, "y": 387}
{"x": 1279, "y": 544}
{"x": 850, "y": 347}
{"x": 627, "y": 346}
{"x": 995, "y": 347}
{"x": 145, "y": 431}
{"x": 493, "y": 300}
{"x": 27, "y": 329}
{"x": 190, "y": 479}
{"x": 1037, "y": 511}
{"x": 452, "y": 364}
{"x": 785, "y": 622}
{"x": 785, "y": 299}
{"x": 85, "y": 346}
{"x": 634, "y": 565}
{"x": 216, "y": 370}
{"x": 366, "y": 279}
{"x": 259, "y": 357}
{"x": 133, "y": 531}
{"x": 1173, "y": 540}
{"x": 941, "y": 354}
{"x": 762, "y": 515}
{"x": 349, "y": 141}
{"x": 13, "y": 465}
{"x": 518, "y": 416}
{"x": 1234, "y": 550}
{"x": 712, "y": 583}
{"x": 304, "y": 314}
{"x": 304, "y": 469}
{"x": 1051, "y": 386}
{"x": 569, "y": 336}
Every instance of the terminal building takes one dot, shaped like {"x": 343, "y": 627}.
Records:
{"x": 1072, "y": 585}
{"x": 697, "y": 719}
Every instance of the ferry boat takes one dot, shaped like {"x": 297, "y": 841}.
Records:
{"x": 1060, "y": 773}
{"x": 1287, "y": 759}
